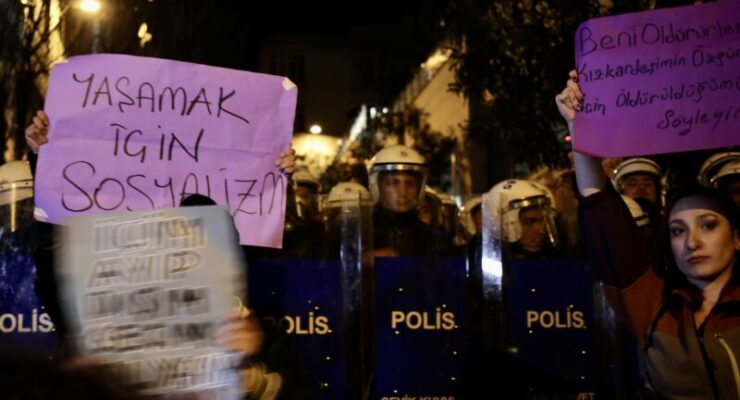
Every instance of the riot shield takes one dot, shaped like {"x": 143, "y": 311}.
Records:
{"x": 489, "y": 270}
{"x": 546, "y": 331}
{"x": 448, "y": 216}
{"x": 420, "y": 332}
{"x": 23, "y": 322}
{"x": 468, "y": 222}
{"x": 420, "y": 324}
{"x": 439, "y": 211}
{"x": 315, "y": 302}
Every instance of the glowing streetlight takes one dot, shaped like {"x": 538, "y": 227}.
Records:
{"x": 90, "y": 6}
{"x": 93, "y": 7}
{"x": 315, "y": 129}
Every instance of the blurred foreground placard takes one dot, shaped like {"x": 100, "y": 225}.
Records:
{"x": 147, "y": 291}
{"x": 659, "y": 81}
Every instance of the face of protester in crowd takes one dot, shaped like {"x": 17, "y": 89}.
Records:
{"x": 532, "y": 220}
{"x": 702, "y": 239}
{"x": 306, "y": 186}
{"x": 399, "y": 191}
{"x": 306, "y": 195}
{"x": 640, "y": 186}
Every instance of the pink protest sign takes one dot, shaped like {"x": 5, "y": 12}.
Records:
{"x": 660, "y": 81}
{"x": 133, "y": 134}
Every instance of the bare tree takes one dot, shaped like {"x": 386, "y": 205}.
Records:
{"x": 26, "y": 29}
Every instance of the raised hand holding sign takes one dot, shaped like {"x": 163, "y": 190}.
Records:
{"x": 131, "y": 134}
{"x": 659, "y": 81}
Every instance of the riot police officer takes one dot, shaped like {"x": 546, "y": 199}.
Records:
{"x": 713, "y": 164}
{"x": 469, "y": 220}
{"x": 397, "y": 176}
{"x": 639, "y": 177}
{"x": 523, "y": 218}
{"x": 728, "y": 180}
{"x": 306, "y": 188}
{"x": 343, "y": 214}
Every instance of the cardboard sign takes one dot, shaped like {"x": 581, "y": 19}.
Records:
{"x": 660, "y": 81}
{"x": 146, "y": 293}
{"x": 133, "y": 134}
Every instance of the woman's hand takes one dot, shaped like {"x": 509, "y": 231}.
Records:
{"x": 570, "y": 99}
{"x": 37, "y": 134}
{"x": 286, "y": 162}
{"x": 243, "y": 333}
{"x": 589, "y": 173}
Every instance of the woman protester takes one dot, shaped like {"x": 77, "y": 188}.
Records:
{"x": 685, "y": 314}
{"x": 262, "y": 346}
{"x": 46, "y": 287}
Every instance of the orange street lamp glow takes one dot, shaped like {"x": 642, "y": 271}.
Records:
{"x": 90, "y": 6}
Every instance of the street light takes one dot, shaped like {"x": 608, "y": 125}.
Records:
{"x": 315, "y": 129}
{"x": 93, "y": 7}
{"x": 90, "y": 6}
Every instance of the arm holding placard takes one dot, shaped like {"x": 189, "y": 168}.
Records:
{"x": 616, "y": 246}
{"x": 271, "y": 368}
{"x": 589, "y": 173}
{"x": 37, "y": 134}
{"x": 286, "y": 162}
{"x": 243, "y": 334}
{"x": 602, "y": 213}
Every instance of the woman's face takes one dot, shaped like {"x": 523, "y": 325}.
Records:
{"x": 702, "y": 241}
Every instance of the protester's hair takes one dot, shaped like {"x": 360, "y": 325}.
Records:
{"x": 201, "y": 200}
{"x": 197, "y": 200}
{"x": 724, "y": 205}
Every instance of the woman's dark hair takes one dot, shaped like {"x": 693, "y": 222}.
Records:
{"x": 724, "y": 205}
{"x": 197, "y": 200}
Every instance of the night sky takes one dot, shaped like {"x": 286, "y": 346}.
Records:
{"x": 229, "y": 33}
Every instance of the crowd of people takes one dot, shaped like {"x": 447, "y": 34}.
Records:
{"x": 666, "y": 256}
{"x": 623, "y": 213}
